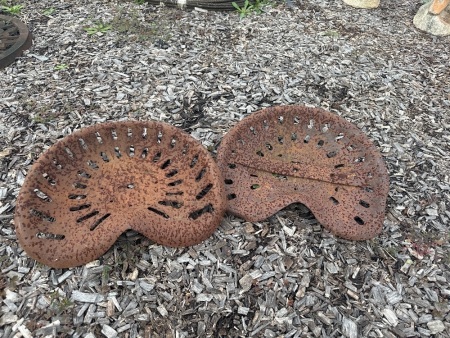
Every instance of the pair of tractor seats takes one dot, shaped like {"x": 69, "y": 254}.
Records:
{"x": 96, "y": 183}
{"x": 91, "y": 186}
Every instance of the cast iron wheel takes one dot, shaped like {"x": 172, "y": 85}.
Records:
{"x": 14, "y": 39}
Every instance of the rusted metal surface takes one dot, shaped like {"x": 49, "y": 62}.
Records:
{"x": 14, "y": 39}
{"x": 96, "y": 183}
{"x": 288, "y": 154}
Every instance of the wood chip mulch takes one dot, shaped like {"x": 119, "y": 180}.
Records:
{"x": 204, "y": 71}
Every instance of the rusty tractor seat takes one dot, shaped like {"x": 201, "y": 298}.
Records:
{"x": 281, "y": 155}
{"x": 96, "y": 183}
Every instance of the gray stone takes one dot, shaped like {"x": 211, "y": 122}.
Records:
{"x": 363, "y": 3}
{"x": 433, "y": 24}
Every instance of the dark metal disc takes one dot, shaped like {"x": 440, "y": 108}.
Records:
{"x": 14, "y": 39}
